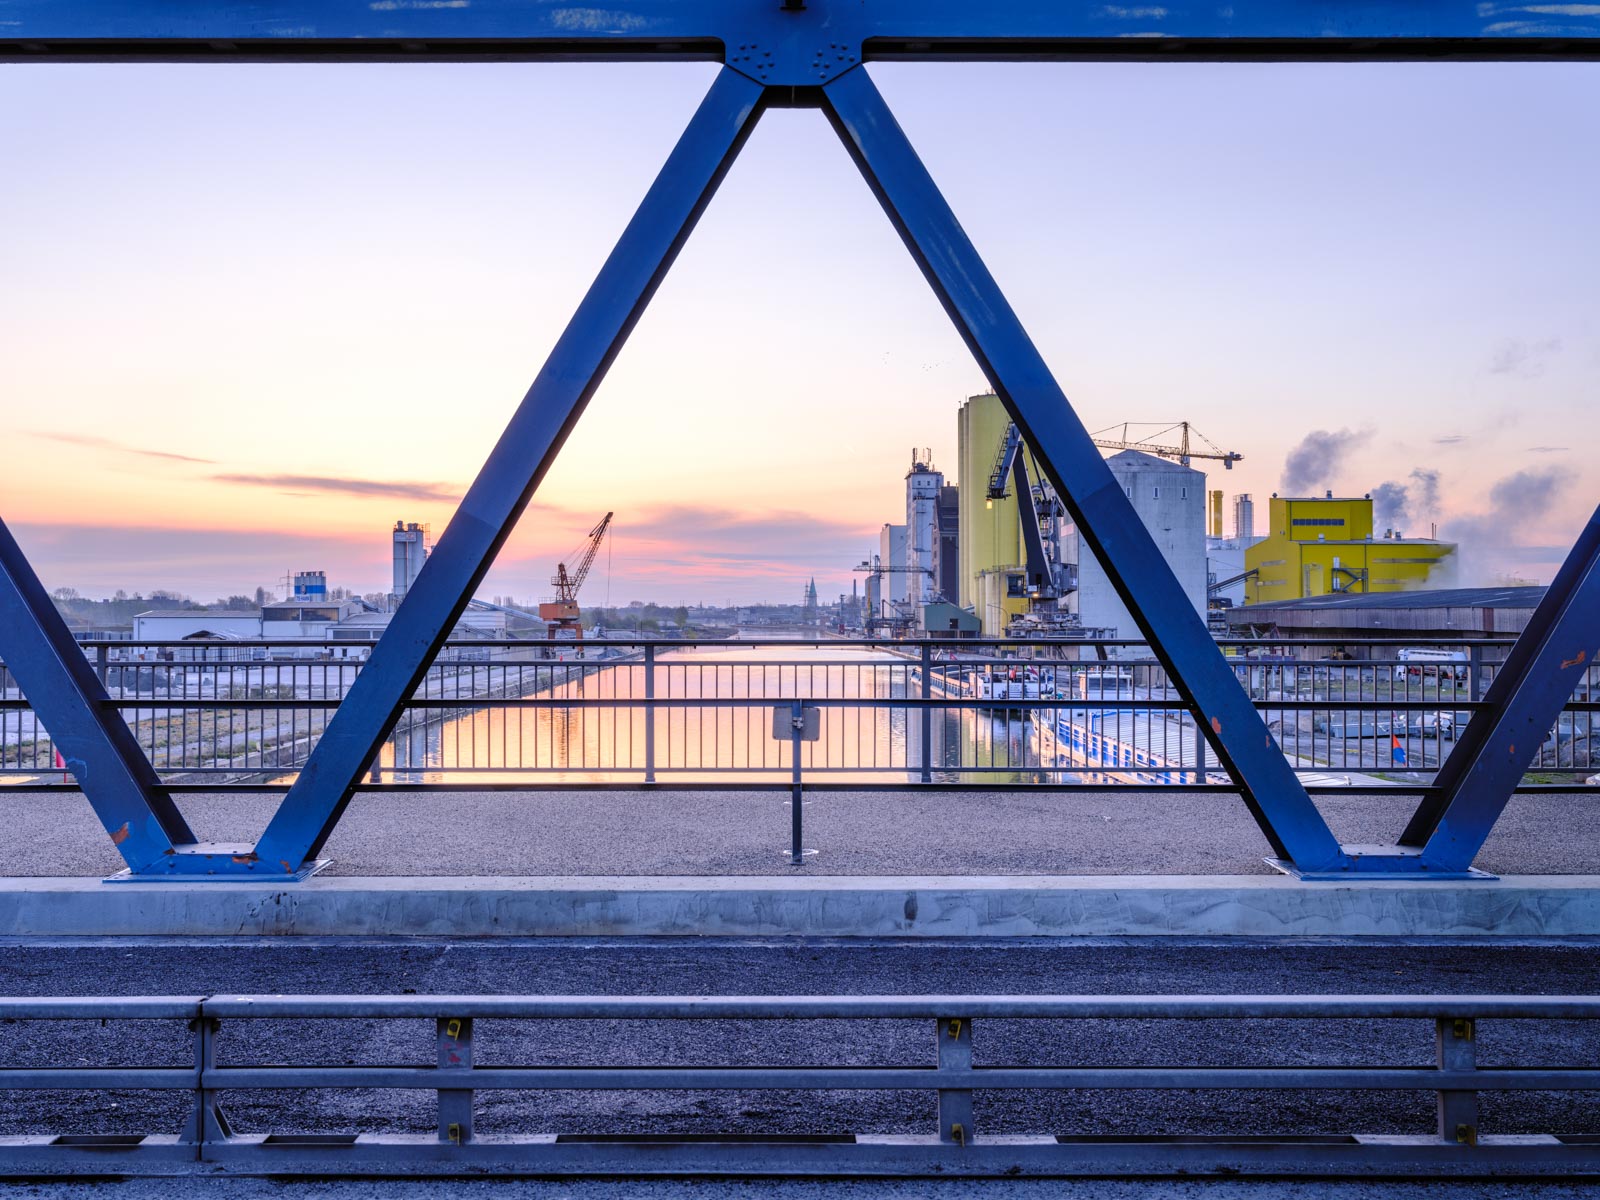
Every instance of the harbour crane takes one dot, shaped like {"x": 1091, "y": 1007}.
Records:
{"x": 562, "y": 612}
{"x": 900, "y": 625}
{"x": 1041, "y": 584}
{"x": 1183, "y": 451}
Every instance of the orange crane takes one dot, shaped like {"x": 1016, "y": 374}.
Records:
{"x": 562, "y": 612}
{"x": 1182, "y": 451}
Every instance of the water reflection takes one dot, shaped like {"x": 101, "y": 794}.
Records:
{"x": 588, "y": 740}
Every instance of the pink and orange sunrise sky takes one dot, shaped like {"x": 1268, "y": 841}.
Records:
{"x": 255, "y": 314}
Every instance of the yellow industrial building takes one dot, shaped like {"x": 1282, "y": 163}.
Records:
{"x": 1316, "y": 546}
{"x": 990, "y": 550}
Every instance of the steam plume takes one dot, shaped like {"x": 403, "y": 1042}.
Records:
{"x": 1314, "y": 462}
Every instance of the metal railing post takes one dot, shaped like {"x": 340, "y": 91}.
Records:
{"x": 1199, "y": 753}
{"x": 649, "y": 713}
{"x": 101, "y": 654}
{"x": 954, "y": 1036}
{"x": 796, "y": 820}
{"x": 206, "y": 1123}
{"x": 1456, "y": 1041}
{"x": 455, "y": 1104}
{"x": 927, "y": 713}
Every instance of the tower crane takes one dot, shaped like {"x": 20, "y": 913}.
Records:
{"x": 1183, "y": 451}
{"x": 563, "y": 613}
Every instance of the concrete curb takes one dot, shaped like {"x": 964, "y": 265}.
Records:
{"x": 1529, "y": 906}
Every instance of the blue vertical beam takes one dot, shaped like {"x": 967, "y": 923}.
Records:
{"x": 1522, "y": 705}
{"x": 95, "y": 742}
{"x": 1068, "y": 455}
{"x": 514, "y": 469}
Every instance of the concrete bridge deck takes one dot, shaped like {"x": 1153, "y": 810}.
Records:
{"x": 744, "y": 833}
{"x": 907, "y": 864}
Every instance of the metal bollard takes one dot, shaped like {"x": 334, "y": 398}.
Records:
{"x": 954, "y": 1035}
{"x": 796, "y": 819}
{"x": 649, "y": 712}
{"x": 927, "y": 713}
{"x": 1455, "y": 1039}
{"x": 455, "y": 1104}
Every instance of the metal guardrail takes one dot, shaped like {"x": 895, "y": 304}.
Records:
{"x": 956, "y": 1145}
{"x": 221, "y": 714}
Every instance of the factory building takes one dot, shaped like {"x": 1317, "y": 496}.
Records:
{"x": 1170, "y": 499}
{"x": 1226, "y": 570}
{"x": 1244, "y": 517}
{"x": 1433, "y": 613}
{"x": 991, "y": 535}
{"x": 923, "y": 485}
{"x": 311, "y": 586}
{"x": 309, "y": 615}
{"x": 947, "y": 546}
{"x": 892, "y": 587}
{"x": 1319, "y": 546}
{"x": 175, "y": 624}
{"x": 1433, "y": 620}
{"x": 410, "y": 552}
{"x": 989, "y": 552}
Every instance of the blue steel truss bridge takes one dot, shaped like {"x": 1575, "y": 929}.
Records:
{"x": 134, "y": 733}
{"x": 810, "y": 55}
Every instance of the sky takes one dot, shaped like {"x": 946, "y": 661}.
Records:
{"x": 253, "y": 314}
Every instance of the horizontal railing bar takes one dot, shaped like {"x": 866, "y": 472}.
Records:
{"x": 713, "y": 785}
{"x": 660, "y": 644}
{"x": 69, "y": 1008}
{"x": 934, "y": 1006}
{"x": 754, "y": 784}
{"x": 1075, "y": 704}
{"x": 901, "y": 1078}
{"x": 47, "y": 1078}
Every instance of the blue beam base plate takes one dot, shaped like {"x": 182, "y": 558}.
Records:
{"x": 1377, "y": 862}
{"x": 220, "y": 862}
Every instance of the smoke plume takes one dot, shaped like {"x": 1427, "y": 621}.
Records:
{"x": 1394, "y": 504}
{"x": 1425, "y": 481}
{"x": 1313, "y": 463}
{"x": 1489, "y": 542}
{"x": 1391, "y": 504}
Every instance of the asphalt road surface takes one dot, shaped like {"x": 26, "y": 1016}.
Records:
{"x": 763, "y": 1189}
{"x": 697, "y": 967}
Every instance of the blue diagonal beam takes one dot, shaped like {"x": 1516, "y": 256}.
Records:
{"x": 1068, "y": 455}
{"x": 1521, "y": 706}
{"x": 513, "y": 470}
{"x": 93, "y": 739}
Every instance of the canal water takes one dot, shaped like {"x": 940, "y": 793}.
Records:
{"x": 713, "y": 720}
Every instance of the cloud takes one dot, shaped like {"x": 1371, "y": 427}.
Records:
{"x": 789, "y": 540}
{"x": 1548, "y": 449}
{"x": 306, "y": 484}
{"x": 1450, "y": 439}
{"x": 1521, "y": 359}
{"x": 1317, "y": 459}
{"x": 672, "y": 553}
{"x": 99, "y": 559}
{"x": 100, "y": 443}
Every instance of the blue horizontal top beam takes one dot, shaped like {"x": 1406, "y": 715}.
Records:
{"x": 719, "y": 29}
